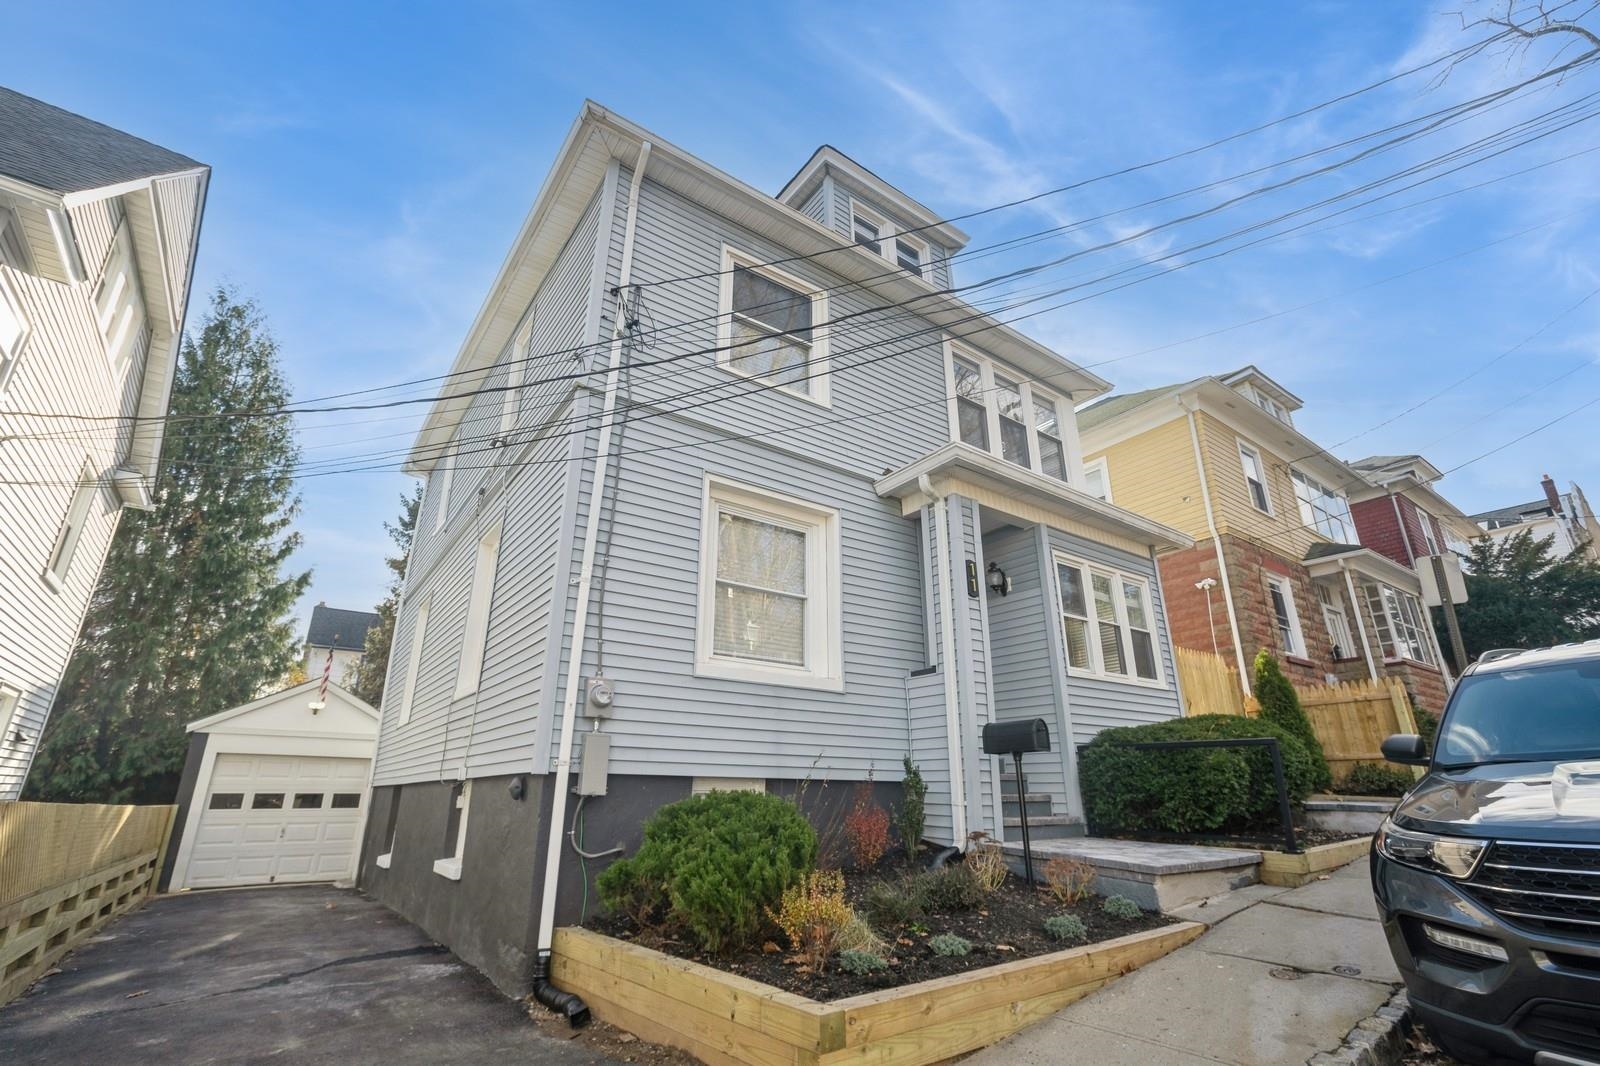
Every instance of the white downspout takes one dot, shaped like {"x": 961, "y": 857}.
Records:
{"x": 947, "y": 657}
{"x": 580, "y": 618}
{"x": 1216, "y": 542}
{"x": 1361, "y": 625}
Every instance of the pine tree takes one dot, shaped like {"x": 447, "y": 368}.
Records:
{"x": 1519, "y": 596}
{"x": 1280, "y": 705}
{"x": 191, "y": 614}
{"x": 366, "y": 681}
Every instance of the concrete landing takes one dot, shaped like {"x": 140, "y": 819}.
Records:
{"x": 1348, "y": 814}
{"x": 1282, "y": 975}
{"x": 1159, "y": 877}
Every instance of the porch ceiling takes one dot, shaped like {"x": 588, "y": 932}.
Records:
{"x": 962, "y": 469}
{"x": 1363, "y": 561}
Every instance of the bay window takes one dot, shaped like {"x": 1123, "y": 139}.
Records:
{"x": 772, "y": 328}
{"x": 1399, "y": 620}
{"x": 1323, "y": 509}
{"x": 769, "y": 601}
{"x": 1118, "y": 640}
{"x": 1005, "y": 415}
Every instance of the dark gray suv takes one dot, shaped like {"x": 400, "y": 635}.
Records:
{"x": 1487, "y": 873}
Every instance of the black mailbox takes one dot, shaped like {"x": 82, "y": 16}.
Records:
{"x": 1016, "y": 738}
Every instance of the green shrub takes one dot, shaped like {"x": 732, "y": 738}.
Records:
{"x": 861, "y": 963}
{"x": 953, "y": 888}
{"x": 910, "y": 818}
{"x": 857, "y": 935}
{"x": 888, "y": 905}
{"x": 949, "y": 945}
{"x": 1067, "y": 927}
{"x": 1427, "y": 725}
{"x": 1372, "y": 779}
{"x": 1194, "y": 791}
{"x": 1121, "y": 907}
{"x": 711, "y": 866}
{"x": 1280, "y": 705}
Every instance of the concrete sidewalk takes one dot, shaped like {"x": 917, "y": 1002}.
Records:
{"x": 1281, "y": 975}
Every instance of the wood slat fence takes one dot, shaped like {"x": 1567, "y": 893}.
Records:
{"x": 1210, "y": 684}
{"x": 66, "y": 869}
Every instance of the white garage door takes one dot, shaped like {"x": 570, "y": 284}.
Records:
{"x": 270, "y": 819}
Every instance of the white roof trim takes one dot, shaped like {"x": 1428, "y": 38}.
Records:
{"x": 284, "y": 696}
{"x": 1369, "y": 562}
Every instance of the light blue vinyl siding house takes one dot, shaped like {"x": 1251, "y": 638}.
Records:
{"x": 713, "y": 492}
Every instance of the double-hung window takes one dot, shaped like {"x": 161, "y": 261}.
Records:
{"x": 1097, "y": 479}
{"x": 1006, "y": 415}
{"x": 1429, "y": 540}
{"x": 439, "y": 486}
{"x": 71, "y": 531}
{"x": 769, "y": 588}
{"x": 1255, "y": 477}
{"x": 475, "y": 637}
{"x": 419, "y": 632}
{"x": 1338, "y": 623}
{"x": 1399, "y": 620}
{"x": 1108, "y": 627}
{"x": 1323, "y": 509}
{"x": 1285, "y": 617}
{"x": 867, "y": 229}
{"x": 773, "y": 328}
{"x": 910, "y": 254}
{"x": 119, "y": 309}
{"x": 13, "y": 329}
{"x": 879, "y": 236}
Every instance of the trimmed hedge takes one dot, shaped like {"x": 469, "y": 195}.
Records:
{"x": 710, "y": 866}
{"x": 1280, "y": 705}
{"x": 1196, "y": 791}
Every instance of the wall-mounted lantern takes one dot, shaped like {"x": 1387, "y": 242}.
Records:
{"x": 996, "y": 577}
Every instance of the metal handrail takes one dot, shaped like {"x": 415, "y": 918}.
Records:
{"x": 1285, "y": 815}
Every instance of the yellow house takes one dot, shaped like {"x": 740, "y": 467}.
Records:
{"x": 1277, "y": 562}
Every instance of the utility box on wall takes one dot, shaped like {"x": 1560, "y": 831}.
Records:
{"x": 592, "y": 767}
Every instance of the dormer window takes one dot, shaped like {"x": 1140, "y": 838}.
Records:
{"x": 1004, "y": 415}
{"x": 1266, "y": 403}
{"x": 876, "y": 234}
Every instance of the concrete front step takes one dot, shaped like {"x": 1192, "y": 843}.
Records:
{"x": 1158, "y": 877}
{"x": 1348, "y": 814}
{"x": 1040, "y": 805}
{"x": 1043, "y": 827}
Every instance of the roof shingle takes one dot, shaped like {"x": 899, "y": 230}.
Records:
{"x": 54, "y": 149}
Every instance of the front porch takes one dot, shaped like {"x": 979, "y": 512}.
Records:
{"x": 1040, "y": 601}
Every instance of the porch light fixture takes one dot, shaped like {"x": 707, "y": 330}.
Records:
{"x": 997, "y": 580}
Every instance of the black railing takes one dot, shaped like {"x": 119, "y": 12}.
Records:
{"x": 1285, "y": 814}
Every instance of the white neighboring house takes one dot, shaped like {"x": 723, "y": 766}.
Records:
{"x": 1566, "y": 517}
{"x": 98, "y": 231}
{"x": 274, "y": 791}
{"x": 342, "y": 632}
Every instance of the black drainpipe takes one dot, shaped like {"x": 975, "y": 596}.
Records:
{"x": 576, "y": 1011}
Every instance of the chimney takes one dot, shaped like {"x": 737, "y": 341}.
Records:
{"x": 1551, "y": 494}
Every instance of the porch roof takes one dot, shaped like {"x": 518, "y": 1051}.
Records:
{"x": 960, "y": 468}
{"x": 1326, "y": 560}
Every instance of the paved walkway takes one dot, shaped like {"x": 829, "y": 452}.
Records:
{"x": 287, "y": 975}
{"x": 1281, "y": 975}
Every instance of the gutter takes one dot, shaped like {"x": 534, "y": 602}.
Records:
{"x": 575, "y": 1010}
{"x": 1188, "y": 404}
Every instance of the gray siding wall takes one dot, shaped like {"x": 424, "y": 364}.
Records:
{"x": 62, "y": 368}
{"x": 816, "y": 205}
{"x": 930, "y": 750}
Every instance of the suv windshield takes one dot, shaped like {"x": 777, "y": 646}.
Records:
{"x": 1537, "y": 714}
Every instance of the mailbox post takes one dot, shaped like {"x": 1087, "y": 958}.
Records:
{"x": 1017, "y": 739}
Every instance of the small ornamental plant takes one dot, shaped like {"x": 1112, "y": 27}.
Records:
{"x": 953, "y": 888}
{"x": 1068, "y": 881}
{"x": 1121, "y": 907}
{"x": 861, "y": 963}
{"x": 949, "y": 945}
{"x": 890, "y": 905}
{"x": 866, "y": 828}
{"x": 911, "y": 817}
{"x": 987, "y": 863}
{"x": 1068, "y": 927}
{"x": 812, "y": 914}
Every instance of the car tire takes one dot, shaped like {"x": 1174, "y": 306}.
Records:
{"x": 1469, "y": 1054}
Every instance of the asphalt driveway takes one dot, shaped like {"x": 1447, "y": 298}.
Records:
{"x": 304, "y": 975}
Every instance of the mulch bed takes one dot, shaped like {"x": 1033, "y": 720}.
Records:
{"x": 1008, "y": 926}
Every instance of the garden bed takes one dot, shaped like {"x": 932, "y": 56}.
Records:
{"x": 1293, "y": 870}
{"x": 723, "y": 1017}
{"x": 1008, "y": 925}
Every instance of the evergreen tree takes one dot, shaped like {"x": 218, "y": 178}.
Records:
{"x": 366, "y": 680}
{"x": 1519, "y": 596}
{"x": 191, "y": 614}
{"x": 1280, "y": 705}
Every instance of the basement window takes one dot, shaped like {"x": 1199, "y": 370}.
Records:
{"x": 389, "y": 830}
{"x": 455, "y": 833}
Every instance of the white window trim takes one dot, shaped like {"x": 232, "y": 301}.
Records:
{"x": 824, "y": 627}
{"x": 1247, "y": 452}
{"x": 70, "y": 534}
{"x": 1308, "y": 508}
{"x": 443, "y": 477}
{"x": 818, "y": 373}
{"x": 1334, "y": 608}
{"x": 125, "y": 317}
{"x": 1388, "y": 623}
{"x": 1030, "y": 394}
{"x": 475, "y": 633}
{"x": 451, "y": 867}
{"x": 10, "y": 715}
{"x": 1097, "y": 670}
{"x": 419, "y": 632}
{"x": 887, "y": 235}
{"x": 12, "y": 299}
{"x": 1296, "y": 631}
{"x": 516, "y": 373}
{"x": 1424, "y": 519}
{"x": 1104, "y": 470}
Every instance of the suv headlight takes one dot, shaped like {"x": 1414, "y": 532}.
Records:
{"x": 1451, "y": 856}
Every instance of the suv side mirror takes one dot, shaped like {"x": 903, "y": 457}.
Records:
{"x": 1406, "y": 748}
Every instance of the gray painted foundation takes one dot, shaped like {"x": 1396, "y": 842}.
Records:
{"x": 186, "y": 783}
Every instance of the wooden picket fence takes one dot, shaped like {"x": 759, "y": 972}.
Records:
{"x": 66, "y": 869}
{"x": 1350, "y": 719}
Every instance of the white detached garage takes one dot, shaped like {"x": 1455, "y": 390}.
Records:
{"x": 275, "y": 791}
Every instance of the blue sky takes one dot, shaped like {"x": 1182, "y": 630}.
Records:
{"x": 372, "y": 163}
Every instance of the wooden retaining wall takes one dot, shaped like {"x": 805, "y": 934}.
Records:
{"x": 726, "y": 1020}
{"x": 66, "y": 869}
